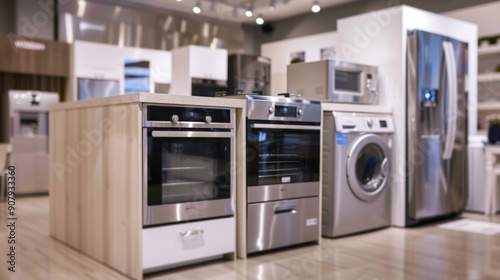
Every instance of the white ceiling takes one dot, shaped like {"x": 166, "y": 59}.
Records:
{"x": 284, "y": 9}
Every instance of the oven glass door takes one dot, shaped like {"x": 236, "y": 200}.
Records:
{"x": 285, "y": 154}
{"x": 187, "y": 166}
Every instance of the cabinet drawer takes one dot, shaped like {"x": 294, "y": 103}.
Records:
{"x": 282, "y": 223}
{"x": 176, "y": 244}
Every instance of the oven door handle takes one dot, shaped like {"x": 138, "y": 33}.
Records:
{"x": 285, "y": 126}
{"x": 190, "y": 134}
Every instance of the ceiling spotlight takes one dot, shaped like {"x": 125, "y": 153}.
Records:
{"x": 315, "y": 8}
{"x": 249, "y": 12}
{"x": 272, "y": 5}
{"x": 259, "y": 20}
{"x": 178, "y": 0}
{"x": 197, "y": 8}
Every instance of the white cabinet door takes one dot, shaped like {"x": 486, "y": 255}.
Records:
{"x": 170, "y": 245}
{"x": 207, "y": 63}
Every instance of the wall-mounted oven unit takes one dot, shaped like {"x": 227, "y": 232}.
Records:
{"x": 283, "y": 159}
{"x": 188, "y": 184}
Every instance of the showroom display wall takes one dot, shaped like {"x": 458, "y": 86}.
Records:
{"x": 95, "y": 61}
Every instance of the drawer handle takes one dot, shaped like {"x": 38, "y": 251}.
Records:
{"x": 284, "y": 210}
{"x": 191, "y": 232}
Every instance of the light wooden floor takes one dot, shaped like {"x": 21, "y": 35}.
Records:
{"x": 417, "y": 253}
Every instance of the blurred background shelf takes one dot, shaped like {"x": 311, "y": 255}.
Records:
{"x": 488, "y": 77}
{"x": 488, "y": 105}
{"x": 490, "y": 49}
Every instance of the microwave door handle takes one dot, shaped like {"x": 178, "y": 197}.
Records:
{"x": 189, "y": 134}
{"x": 451, "y": 111}
{"x": 285, "y": 126}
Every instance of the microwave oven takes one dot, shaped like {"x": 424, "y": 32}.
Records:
{"x": 335, "y": 81}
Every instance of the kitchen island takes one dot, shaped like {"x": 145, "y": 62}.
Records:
{"x": 96, "y": 178}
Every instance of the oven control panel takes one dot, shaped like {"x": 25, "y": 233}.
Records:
{"x": 283, "y": 109}
{"x": 186, "y": 115}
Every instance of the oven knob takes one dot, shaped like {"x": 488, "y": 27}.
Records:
{"x": 175, "y": 118}
{"x": 271, "y": 110}
{"x": 369, "y": 122}
{"x": 300, "y": 113}
{"x": 208, "y": 119}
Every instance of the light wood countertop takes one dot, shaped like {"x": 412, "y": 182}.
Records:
{"x": 358, "y": 108}
{"x": 150, "y": 98}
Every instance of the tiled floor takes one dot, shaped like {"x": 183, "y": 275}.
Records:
{"x": 418, "y": 253}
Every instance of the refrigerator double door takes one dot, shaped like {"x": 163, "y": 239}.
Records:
{"x": 436, "y": 125}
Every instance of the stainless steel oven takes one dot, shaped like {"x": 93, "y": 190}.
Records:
{"x": 283, "y": 151}
{"x": 188, "y": 163}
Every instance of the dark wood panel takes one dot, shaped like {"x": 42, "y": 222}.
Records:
{"x": 33, "y": 56}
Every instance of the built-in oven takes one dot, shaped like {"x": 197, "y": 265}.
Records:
{"x": 283, "y": 159}
{"x": 188, "y": 164}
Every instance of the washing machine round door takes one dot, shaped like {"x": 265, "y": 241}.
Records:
{"x": 368, "y": 166}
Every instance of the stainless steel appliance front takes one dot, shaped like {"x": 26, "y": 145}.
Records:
{"x": 283, "y": 136}
{"x": 188, "y": 163}
{"x": 333, "y": 80}
{"x": 356, "y": 188}
{"x": 28, "y": 129}
{"x": 282, "y": 223}
{"x": 436, "y": 126}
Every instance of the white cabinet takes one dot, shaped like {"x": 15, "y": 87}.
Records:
{"x": 196, "y": 62}
{"x": 172, "y": 245}
{"x": 207, "y": 63}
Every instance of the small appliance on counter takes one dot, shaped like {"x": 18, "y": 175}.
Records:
{"x": 28, "y": 133}
{"x": 188, "y": 185}
{"x": 335, "y": 81}
{"x": 283, "y": 159}
{"x": 356, "y": 168}
{"x": 249, "y": 73}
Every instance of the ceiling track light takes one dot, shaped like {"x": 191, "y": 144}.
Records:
{"x": 197, "y": 7}
{"x": 259, "y": 20}
{"x": 315, "y": 7}
{"x": 249, "y": 11}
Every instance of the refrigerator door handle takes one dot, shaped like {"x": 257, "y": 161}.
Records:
{"x": 451, "y": 116}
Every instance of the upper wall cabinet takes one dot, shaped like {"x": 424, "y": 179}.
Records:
{"x": 206, "y": 63}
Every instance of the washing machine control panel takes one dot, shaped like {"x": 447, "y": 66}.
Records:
{"x": 364, "y": 123}
{"x": 369, "y": 122}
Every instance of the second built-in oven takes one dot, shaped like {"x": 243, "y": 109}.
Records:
{"x": 283, "y": 146}
{"x": 283, "y": 151}
{"x": 188, "y": 163}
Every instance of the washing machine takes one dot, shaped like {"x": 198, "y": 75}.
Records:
{"x": 356, "y": 172}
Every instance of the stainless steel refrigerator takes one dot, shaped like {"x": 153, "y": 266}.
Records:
{"x": 436, "y": 126}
